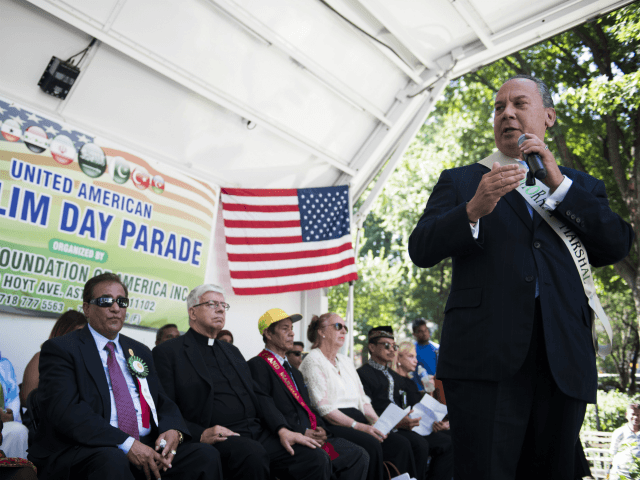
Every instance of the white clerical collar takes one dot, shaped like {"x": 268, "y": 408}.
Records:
{"x": 210, "y": 341}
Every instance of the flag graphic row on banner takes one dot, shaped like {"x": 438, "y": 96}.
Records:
{"x": 287, "y": 240}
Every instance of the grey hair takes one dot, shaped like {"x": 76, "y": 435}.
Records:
{"x": 543, "y": 90}
{"x": 199, "y": 291}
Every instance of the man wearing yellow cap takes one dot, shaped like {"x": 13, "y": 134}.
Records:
{"x": 211, "y": 383}
{"x": 272, "y": 371}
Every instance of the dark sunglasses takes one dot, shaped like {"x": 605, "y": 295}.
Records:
{"x": 388, "y": 346}
{"x": 338, "y": 326}
{"x": 297, "y": 354}
{"x": 106, "y": 302}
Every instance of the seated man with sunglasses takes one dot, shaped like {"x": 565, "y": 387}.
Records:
{"x": 103, "y": 413}
{"x": 294, "y": 355}
{"x": 380, "y": 384}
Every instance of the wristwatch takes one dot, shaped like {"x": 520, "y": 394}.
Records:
{"x": 181, "y": 437}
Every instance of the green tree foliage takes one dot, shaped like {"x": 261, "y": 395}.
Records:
{"x": 593, "y": 70}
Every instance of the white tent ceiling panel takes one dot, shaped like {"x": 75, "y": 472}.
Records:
{"x": 98, "y": 13}
{"x": 314, "y": 35}
{"x": 226, "y": 59}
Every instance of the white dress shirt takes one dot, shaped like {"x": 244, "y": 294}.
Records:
{"x": 101, "y": 342}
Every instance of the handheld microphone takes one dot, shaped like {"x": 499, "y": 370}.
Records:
{"x": 536, "y": 167}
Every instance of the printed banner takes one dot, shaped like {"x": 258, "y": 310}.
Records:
{"x": 71, "y": 209}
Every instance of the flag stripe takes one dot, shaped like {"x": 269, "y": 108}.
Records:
{"x": 250, "y": 232}
{"x": 269, "y": 257}
{"x": 292, "y": 279}
{"x": 295, "y": 287}
{"x": 299, "y": 247}
{"x": 233, "y": 200}
{"x": 253, "y": 216}
{"x": 306, "y": 261}
{"x": 284, "y": 272}
{"x": 257, "y": 192}
{"x": 262, "y": 241}
{"x": 232, "y": 207}
{"x": 261, "y": 224}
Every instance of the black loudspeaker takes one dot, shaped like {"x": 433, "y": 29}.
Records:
{"x": 58, "y": 78}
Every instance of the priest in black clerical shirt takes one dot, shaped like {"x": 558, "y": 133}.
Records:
{"x": 285, "y": 384}
{"x": 211, "y": 383}
{"x": 381, "y": 385}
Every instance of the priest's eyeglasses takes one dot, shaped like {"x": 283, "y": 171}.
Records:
{"x": 106, "y": 302}
{"x": 213, "y": 304}
{"x": 388, "y": 346}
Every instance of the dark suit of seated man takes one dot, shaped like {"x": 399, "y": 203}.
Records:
{"x": 94, "y": 423}
{"x": 380, "y": 384}
{"x": 292, "y": 398}
{"x": 222, "y": 405}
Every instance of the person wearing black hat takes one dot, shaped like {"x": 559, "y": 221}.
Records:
{"x": 381, "y": 385}
{"x": 284, "y": 383}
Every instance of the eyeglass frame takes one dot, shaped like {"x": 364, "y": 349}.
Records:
{"x": 107, "y": 302}
{"x": 214, "y": 304}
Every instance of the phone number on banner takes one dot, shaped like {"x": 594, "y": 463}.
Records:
{"x": 31, "y": 303}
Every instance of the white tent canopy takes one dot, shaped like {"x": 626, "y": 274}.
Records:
{"x": 265, "y": 93}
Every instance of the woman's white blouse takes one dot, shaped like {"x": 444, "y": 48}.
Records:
{"x": 332, "y": 387}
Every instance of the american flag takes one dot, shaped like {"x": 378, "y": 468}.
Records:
{"x": 15, "y": 120}
{"x": 287, "y": 240}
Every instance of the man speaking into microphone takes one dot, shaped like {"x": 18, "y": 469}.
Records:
{"x": 517, "y": 398}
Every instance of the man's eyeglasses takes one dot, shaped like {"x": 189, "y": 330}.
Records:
{"x": 214, "y": 304}
{"x": 338, "y": 326}
{"x": 388, "y": 346}
{"x": 106, "y": 302}
{"x": 296, "y": 353}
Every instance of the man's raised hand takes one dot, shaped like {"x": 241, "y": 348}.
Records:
{"x": 493, "y": 186}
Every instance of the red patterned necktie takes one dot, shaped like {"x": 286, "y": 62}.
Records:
{"x": 127, "y": 418}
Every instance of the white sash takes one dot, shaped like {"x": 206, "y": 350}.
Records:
{"x": 535, "y": 196}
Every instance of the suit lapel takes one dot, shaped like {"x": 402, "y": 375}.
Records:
{"x": 519, "y": 205}
{"x": 93, "y": 364}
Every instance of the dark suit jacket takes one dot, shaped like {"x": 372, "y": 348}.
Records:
{"x": 376, "y": 386}
{"x": 490, "y": 311}
{"x": 74, "y": 400}
{"x": 186, "y": 380}
{"x": 294, "y": 414}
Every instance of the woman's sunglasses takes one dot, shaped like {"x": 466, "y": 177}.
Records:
{"x": 338, "y": 326}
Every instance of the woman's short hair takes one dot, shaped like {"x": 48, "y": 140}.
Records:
{"x": 315, "y": 325}
{"x": 406, "y": 346}
{"x": 67, "y": 323}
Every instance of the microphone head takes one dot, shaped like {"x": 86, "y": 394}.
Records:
{"x": 521, "y": 139}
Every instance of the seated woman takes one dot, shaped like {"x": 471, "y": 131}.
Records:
{"x": 405, "y": 366}
{"x": 337, "y": 393}
{"x": 68, "y": 322}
